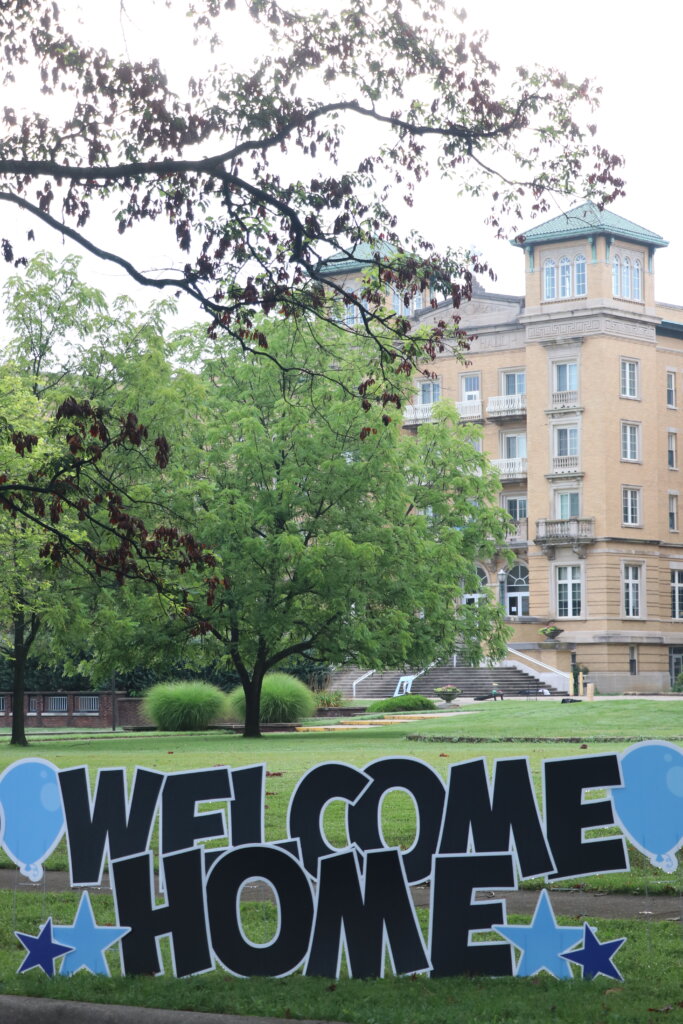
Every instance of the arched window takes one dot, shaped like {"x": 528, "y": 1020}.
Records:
{"x": 580, "y": 287}
{"x": 626, "y": 279}
{"x": 517, "y": 590}
{"x": 565, "y": 278}
{"x": 549, "y": 280}
{"x": 616, "y": 276}
{"x": 475, "y": 598}
{"x": 637, "y": 281}
{"x": 418, "y": 301}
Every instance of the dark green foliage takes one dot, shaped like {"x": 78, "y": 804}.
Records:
{"x": 283, "y": 699}
{"x": 408, "y": 702}
{"x": 182, "y": 706}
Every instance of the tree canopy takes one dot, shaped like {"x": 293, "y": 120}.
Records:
{"x": 337, "y": 535}
{"x": 258, "y": 173}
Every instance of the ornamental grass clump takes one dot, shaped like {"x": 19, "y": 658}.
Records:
{"x": 184, "y": 706}
{"x": 284, "y": 698}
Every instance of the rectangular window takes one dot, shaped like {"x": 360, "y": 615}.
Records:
{"x": 514, "y": 446}
{"x": 629, "y": 378}
{"x": 671, "y": 459}
{"x": 516, "y": 507}
{"x": 566, "y": 441}
{"x": 671, "y": 389}
{"x": 514, "y": 382}
{"x": 566, "y": 377}
{"x": 677, "y": 593}
{"x": 630, "y": 442}
{"x": 88, "y": 703}
{"x": 673, "y": 512}
{"x": 630, "y": 503}
{"x": 33, "y": 705}
{"x": 631, "y": 591}
{"x": 567, "y": 504}
{"x": 429, "y": 392}
{"x": 56, "y": 704}
{"x": 471, "y": 391}
{"x": 569, "y": 597}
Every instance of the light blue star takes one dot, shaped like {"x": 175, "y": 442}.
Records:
{"x": 87, "y": 940}
{"x": 542, "y": 942}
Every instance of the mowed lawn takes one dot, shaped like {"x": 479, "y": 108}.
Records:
{"x": 650, "y": 960}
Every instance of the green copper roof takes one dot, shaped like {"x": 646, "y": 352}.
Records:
{"x": 362, "y": 257}
{"x": 588, "y": 220}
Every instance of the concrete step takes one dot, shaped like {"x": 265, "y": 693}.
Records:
{"x": 473, "y": 682}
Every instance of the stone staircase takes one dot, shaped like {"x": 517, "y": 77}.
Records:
{"x": 474, "y": 682}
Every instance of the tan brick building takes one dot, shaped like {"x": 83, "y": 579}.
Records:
{"x": 578, "y": 387}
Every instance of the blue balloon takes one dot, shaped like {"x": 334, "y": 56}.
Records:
{"x": 32, "y": 817}
{"x": 649, "y": 806}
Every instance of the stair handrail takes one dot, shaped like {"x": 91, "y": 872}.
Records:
{"x": 405, "y": 683}
{"x": 360, "y": 680}
{"x": 541, "y": 664}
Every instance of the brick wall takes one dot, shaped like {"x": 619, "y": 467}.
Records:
{"x": 66, "y": 709}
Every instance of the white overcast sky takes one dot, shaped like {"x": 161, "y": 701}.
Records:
{"x": 632, "y": 51}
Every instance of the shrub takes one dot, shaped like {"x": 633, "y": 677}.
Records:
{"x": 177, "y": 707}
{"x": 329, "y": 699}
{"x": 408, "y": 702}
{"x": 283, "y": 699}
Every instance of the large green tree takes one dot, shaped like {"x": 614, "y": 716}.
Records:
{"x": 338, "y": 535}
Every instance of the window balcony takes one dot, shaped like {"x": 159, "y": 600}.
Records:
{"x": 575, "y": 533}
{"x": 510, "y": 469}
{"x": 565, "y": 463}
{"x": 519, "y": 533}
{"x": 469, "y": 410}
{"x": 565, "y": 399}
{"x": 419, "y": 413}
{"x": 506, "y": 405}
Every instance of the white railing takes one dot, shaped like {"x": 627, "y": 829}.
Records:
{"x": 360, "y": 680}
{"x": 551, "y": 675}
{"x": 510, "y": 467}
{"x": 56, "y": 705}
{"x": 519, "y": 531}
{"x": 405, "y": 683}
{"x": 419, "y": 413}
{"x": 469, "y": 410}
{"x": 565, "y": 463}
{"x": 88, "y": 703}
{"x": 506, "y": 405}
{"x": 565, "y": 529}
{"x": 565, "y": 398}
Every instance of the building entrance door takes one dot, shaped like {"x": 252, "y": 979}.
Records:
{"x": 675, "y": 662}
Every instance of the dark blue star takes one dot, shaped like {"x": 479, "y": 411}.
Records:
{"x": 595, "y": 957}
{"x": 42, "y": 950}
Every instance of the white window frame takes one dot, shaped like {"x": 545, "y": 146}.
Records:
{"x": 429, "y": 391}
{"x": 556, "y": 375}
{"x": 504, "y": 374}
{"x": 672, "y": 512}
{"x": 671, "y": 389}
{"x": 637, "y": 286}
{"x": 626, "y": 278}
{"x": 631, "y": 506}
{"x": 572, "y": 431}
{"x": 580, "y": 276}
{"x": 629, "y": 378}
{"x": 507, "y": 498}
{"x": 632, "y": 590}
{"x": 630, "y": 441}
{"x": 672, "y": 449}
{"x": 549, "y": 280}
{"x": 565, "y": 291}
{"x": 470, "y": 394}
{"x": 676, "y": 578}
{"x": 559, "y": 496}
{"x": 572, "y": 583}
{"x": 616, "y": 276}
{"x": 505, "y": 436}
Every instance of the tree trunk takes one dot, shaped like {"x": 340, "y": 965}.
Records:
{"x": 252, "y": 717}
{"x": 19, "y": 675}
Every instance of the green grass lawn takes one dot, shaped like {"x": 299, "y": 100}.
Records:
{"x": 650, "y": 961}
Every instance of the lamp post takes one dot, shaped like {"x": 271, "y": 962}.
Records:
{"x": 502, "y": 574}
